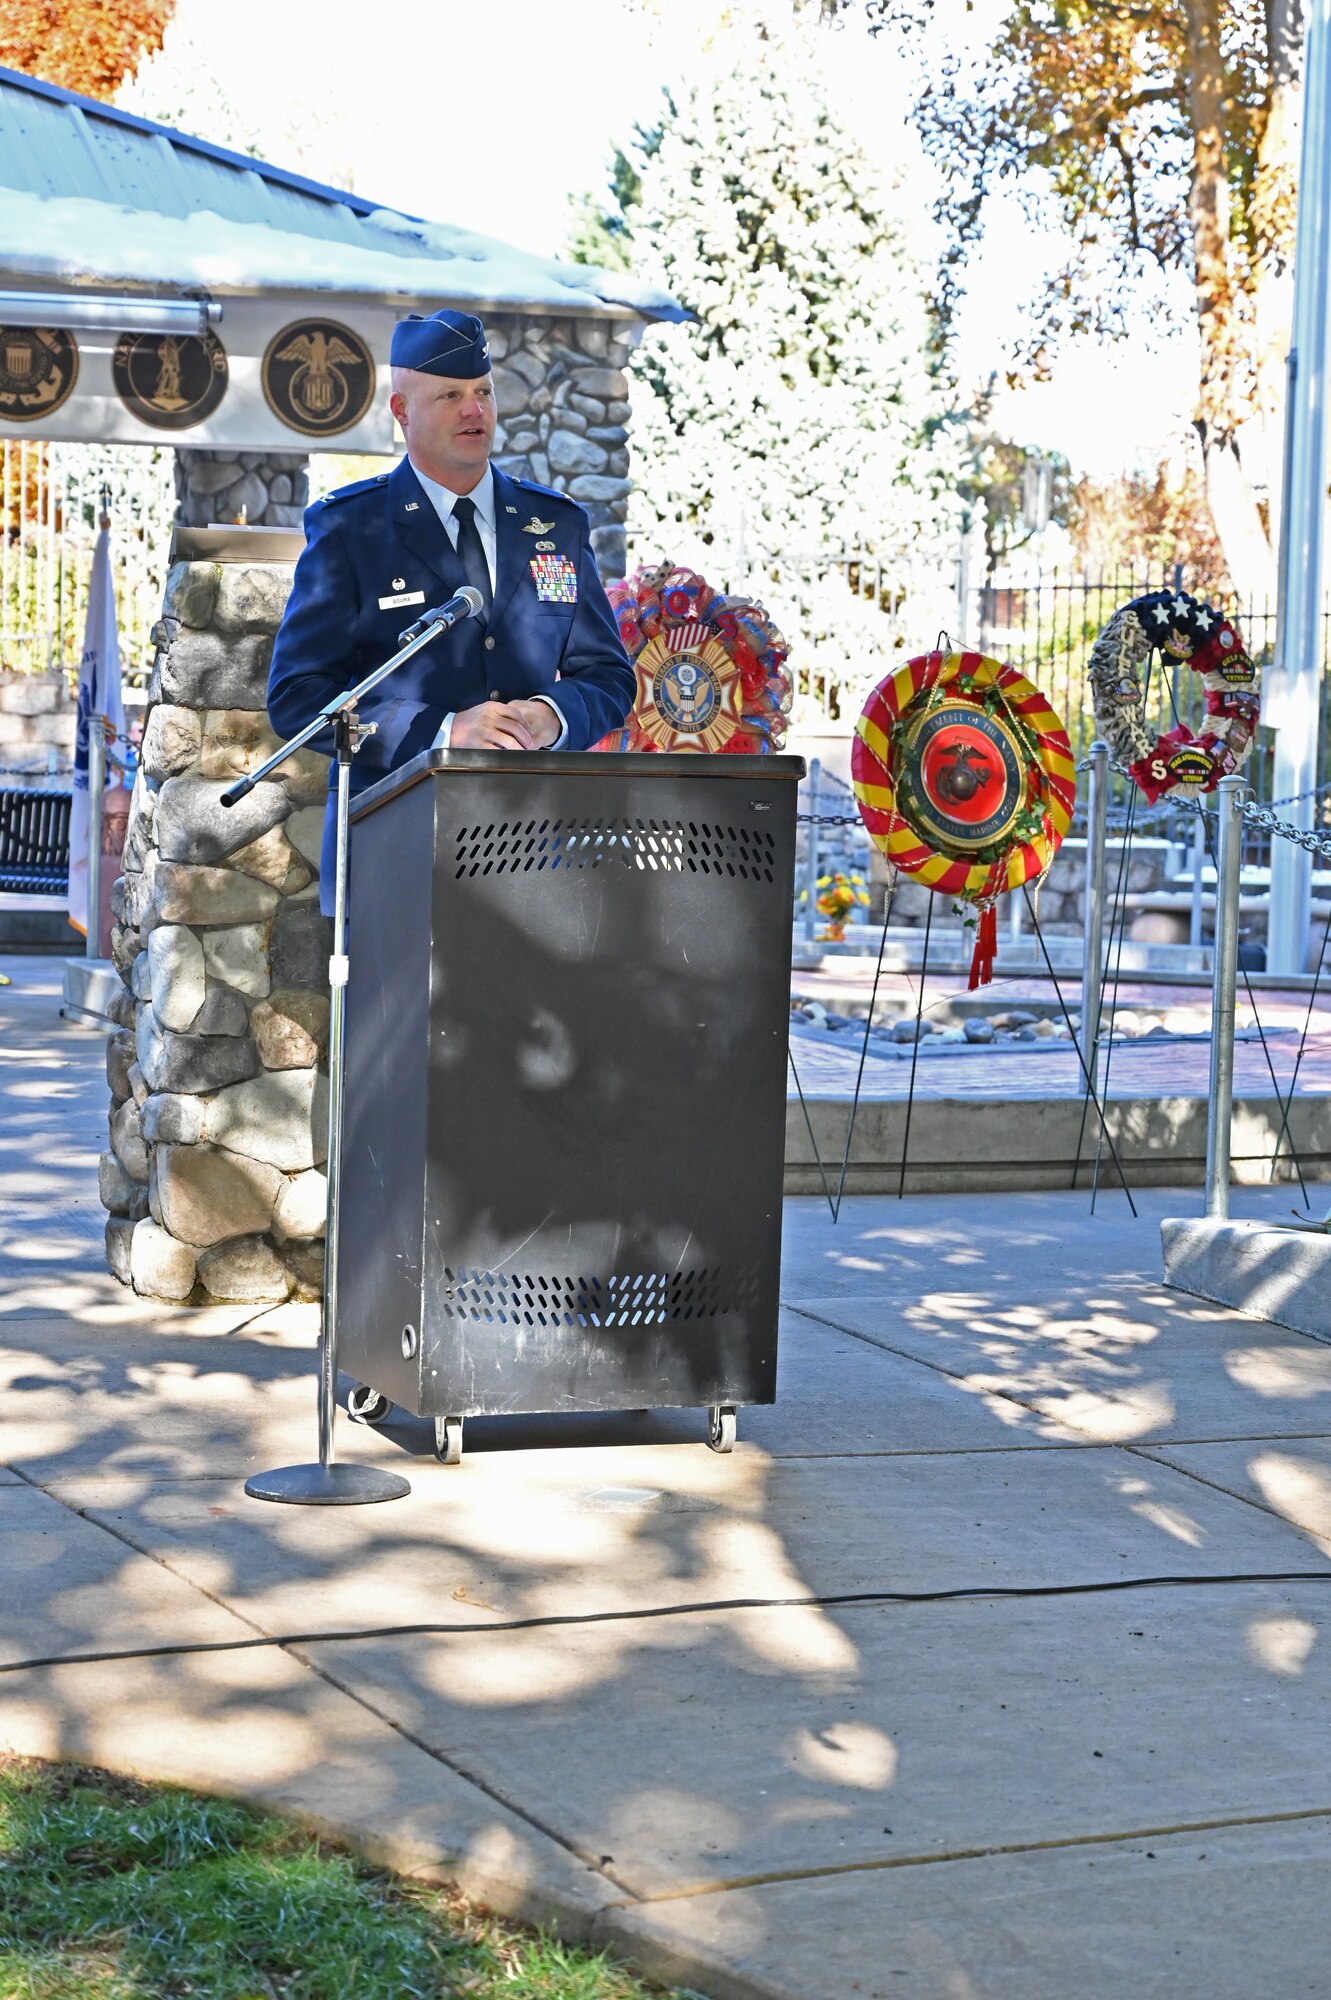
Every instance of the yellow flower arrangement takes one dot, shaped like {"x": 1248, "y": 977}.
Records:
{"x": 838, "y": 895}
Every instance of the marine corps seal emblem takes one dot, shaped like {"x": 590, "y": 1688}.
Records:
{"x": 963, "y": 777}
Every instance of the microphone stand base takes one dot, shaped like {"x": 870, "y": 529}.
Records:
{"x": 327, "y": 1485}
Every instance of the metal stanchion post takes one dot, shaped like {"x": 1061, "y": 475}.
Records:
{"x": 96, "y": 796}
{"x": 811, "y": 856}
{"x": 1229, "y": 862}
{"x": 1198, "y": 879}
{"x": 1093, "y": 936}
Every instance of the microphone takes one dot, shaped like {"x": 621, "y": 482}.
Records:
{"x": 467, "y": 604}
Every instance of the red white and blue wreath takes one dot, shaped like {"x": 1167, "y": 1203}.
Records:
{"x": 1182, "y": 629}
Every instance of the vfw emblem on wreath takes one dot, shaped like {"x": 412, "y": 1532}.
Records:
{"x": 689, "y": 692}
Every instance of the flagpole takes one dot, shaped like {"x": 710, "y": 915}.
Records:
{"x": 96, "y": 796}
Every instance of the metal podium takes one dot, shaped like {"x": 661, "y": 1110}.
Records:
{"x": 565, "y": 1112}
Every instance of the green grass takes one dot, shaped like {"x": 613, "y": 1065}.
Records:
{"x": 115, "y": 1890}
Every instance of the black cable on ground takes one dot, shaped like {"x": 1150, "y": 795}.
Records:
{"x": 847, "y": 1599}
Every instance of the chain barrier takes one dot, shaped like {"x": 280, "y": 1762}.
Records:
{"x": 1264, "y": 818}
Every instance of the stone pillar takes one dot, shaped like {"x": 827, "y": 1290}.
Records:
{"x": 272, "y": 488}
{"x": 213, "y": 1177}
{"x": 564, "y": 412}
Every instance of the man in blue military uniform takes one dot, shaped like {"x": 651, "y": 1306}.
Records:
{"x": 542, "y": 666}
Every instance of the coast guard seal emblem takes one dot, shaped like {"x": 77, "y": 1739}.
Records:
{"x": 39, "y": 366}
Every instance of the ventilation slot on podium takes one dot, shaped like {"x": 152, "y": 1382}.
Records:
{"x": 519, "y": 847}
{"x": 651, "y": 1298}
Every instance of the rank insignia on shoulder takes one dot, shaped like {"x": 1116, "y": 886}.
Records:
{"x": 536, "y": 526}
{"x": 556, "y": 579}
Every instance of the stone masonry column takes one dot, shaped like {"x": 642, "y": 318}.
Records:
{"x": 214, "y": 1173}
{"x": 563, "y": 414}
{"x": 271, "y": 488}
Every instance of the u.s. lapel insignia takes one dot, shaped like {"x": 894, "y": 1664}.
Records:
{"x": 510, "y": 510}
{"x": 536, "y": 526}
{"x": 412, "y": 507}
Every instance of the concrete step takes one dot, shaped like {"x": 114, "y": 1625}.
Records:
{"x": 1282, "y": 1275}
{"x": 974, "y": 1145}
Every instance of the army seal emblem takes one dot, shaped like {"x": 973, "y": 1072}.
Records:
{"x": 39, "y": 366}
{"x": 319, "y": 377}
{"x": 171, "y": 381}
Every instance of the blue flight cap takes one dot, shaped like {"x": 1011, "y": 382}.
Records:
{"x": 448, "y": 343}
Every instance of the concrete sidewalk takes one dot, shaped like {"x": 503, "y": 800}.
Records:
{"x": 1098, "y": 1793}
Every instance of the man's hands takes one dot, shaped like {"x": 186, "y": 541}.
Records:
{"x": 505, "y": 725}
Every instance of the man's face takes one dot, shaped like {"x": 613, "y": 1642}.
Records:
{"x": 449, "y": 424}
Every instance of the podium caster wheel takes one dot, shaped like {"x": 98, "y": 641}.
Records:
{"x": 721, "y": 1427}
{"x": 367, "y": 1406}
{"x": 448, "y": 1440}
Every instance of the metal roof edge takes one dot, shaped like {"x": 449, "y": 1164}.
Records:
{"x": 658, "y": 310}
{"x": 97, "y": 108}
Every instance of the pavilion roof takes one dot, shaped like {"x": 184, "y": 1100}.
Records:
{"x": 93, "y": 195}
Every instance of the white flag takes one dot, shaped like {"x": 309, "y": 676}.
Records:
{"x": 99, "y": 694}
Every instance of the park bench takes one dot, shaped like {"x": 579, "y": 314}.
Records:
{"x": 34, "y": 842}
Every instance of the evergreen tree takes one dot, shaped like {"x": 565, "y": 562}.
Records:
{"x": 802, "y": 410}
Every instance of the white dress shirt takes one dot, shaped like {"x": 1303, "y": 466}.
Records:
{"x": 482, "y": 497}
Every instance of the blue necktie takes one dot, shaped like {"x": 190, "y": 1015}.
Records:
{"x": 475, "y": 568}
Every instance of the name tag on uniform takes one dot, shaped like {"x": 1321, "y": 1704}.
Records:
{"x": 556, "y": 579}
{"x": 403, "y": 597}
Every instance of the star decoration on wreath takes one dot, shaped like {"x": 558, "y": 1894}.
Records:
{"x": 1195, "y": 634}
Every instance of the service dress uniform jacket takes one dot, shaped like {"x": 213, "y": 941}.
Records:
{"x": 376, "y": 557}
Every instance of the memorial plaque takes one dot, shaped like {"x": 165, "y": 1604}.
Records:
{"x": 39, "y": 366}
{"x": 319, "y": 377}
{"x": 171, "y": 381}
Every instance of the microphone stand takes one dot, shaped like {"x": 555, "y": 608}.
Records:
{"x": 328, "y": 1484}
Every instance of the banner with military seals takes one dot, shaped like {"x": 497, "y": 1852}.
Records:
{"x": 319, "y": 377}
{"x": 965, "y": 780}
{"x": 169, "y": 380}
{"x": 39, "y": 366}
